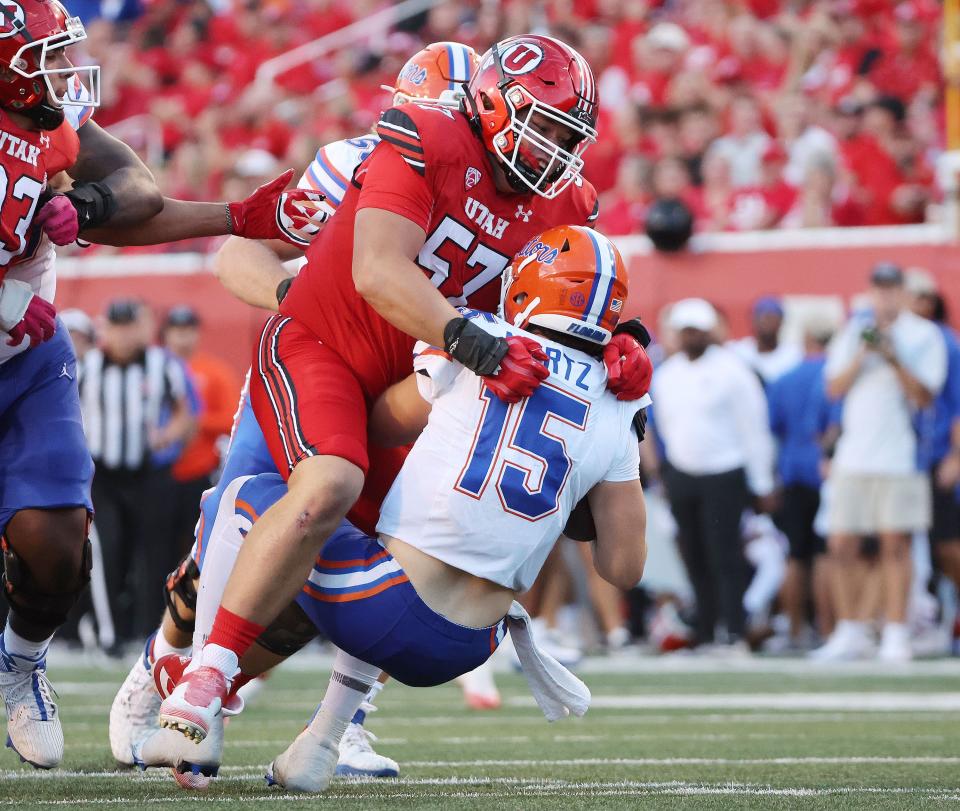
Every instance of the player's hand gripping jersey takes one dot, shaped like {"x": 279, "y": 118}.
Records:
{"x": 488, "y": 487}
{"x": 431, "y": 168}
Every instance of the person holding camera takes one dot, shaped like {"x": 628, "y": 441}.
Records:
{"x": 886, "y": 363}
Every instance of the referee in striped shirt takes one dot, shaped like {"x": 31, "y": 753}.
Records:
{"x": 128, "y": 390}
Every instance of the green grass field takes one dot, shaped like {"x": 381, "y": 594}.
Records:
{"x": 693, "y": 732}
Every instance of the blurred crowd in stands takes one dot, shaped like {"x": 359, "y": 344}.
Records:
{"x": 755, "y": 113}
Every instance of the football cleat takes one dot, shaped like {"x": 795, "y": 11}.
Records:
{"x": 133, "y": 713}
{"x": 308, "y": 764}
{"x": 194, "y": 703}
{"x": 33, "y": 718}
{"x": 358, "y": 758}
{"x": 192, "y": 765}
{"x": 167, "y": 672}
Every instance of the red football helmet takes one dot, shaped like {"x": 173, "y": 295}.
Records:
{"x": 437, "y": 74}
{"x": 29, "y": 31}
{"x": 525, "y": 87}
{"x": 570, "y": 279}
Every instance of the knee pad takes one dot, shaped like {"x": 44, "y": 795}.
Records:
{"x": 28, "y": 600}
{"x": 182, "y": 582}
{"x": 288, "y": 633}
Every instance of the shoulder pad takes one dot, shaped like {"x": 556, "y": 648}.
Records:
{"x": 399, "y": 130}
{"x": 333, "y": 166}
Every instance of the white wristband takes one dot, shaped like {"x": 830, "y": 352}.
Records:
{"x": 14, "y": 299}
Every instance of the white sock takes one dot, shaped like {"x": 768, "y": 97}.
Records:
{"x": 223, "y": 659}
{"x": 352, "y": 679}
{"x": 161, "y": 647}
{"x": 373, "y": 692}
{"x": 18, "y": 653}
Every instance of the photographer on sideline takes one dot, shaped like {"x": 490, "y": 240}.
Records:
{"x": 886, "y": 364}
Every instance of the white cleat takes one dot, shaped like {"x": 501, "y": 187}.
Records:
{"x": 192, "y": 765}
{"x": 307, "y": 765}
{"x": 134, "y": 712}
{"x": 358, "y": 758}
{"x": 479, "y": 689}
{"x": 33, "y": 718}
{"x": 194, "y": 704}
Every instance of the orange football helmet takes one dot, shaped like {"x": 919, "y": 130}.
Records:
{"x": 438, "y": 74}
{"x": 524, "y": 88}
{"x": 569, "y": 279}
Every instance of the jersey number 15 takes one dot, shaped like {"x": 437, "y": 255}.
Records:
{"x": 530, "y": 482}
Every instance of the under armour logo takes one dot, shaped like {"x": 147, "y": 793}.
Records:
{"x": 44, "y": 140}
{"x": 523, "y": 212}
{"x": 65, "y": 373}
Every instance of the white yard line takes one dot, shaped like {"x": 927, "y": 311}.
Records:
{"x": 521, "y": 788}
{"x": 253, "y": 770}
{"x": 856, "y": 702}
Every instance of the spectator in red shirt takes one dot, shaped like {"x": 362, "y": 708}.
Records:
{"x": 892, "y": 188}
{"x": 657, "y": 57}
{"x": 622, "y": 210}
{"x": 909, "y": 64}
{"x": 755, "y": 208}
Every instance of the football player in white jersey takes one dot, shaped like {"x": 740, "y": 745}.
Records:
{"x": 479, "y": 503}
{"x": 254, "y": 272}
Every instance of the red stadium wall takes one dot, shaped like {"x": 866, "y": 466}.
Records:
{"x": 731, "y": 273}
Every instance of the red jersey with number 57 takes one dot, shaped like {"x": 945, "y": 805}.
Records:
{"x": 431, "y": 168}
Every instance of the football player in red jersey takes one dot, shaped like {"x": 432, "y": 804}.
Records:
{"x": 45, "y": 469}
{"x": 430, "y": 220}
{"x": 253, "y": 271}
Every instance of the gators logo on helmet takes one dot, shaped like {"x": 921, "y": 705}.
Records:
{"x": 569, "y": 279}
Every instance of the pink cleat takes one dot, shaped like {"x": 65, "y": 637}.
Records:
{"x": 195, "y": 702}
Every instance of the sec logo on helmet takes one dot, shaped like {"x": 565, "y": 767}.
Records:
{"x": 12, "y": 18}
{"x": 521, "y": 58}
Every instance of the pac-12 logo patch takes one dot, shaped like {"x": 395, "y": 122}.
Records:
{"x": 12, "y": 18}
{"x": 471, "y": 178}
{"x": 521, "y": 58}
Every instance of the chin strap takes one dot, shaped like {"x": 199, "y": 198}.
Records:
{"x": 44, "y": 115}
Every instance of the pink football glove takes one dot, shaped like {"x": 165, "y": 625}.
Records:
{"x": 629, "y": 370}
{"x": 295, "y": 216}
{"x": 520, "y": 372}
{"x": 58, "y": 219}
{"x": 24, "y": 314}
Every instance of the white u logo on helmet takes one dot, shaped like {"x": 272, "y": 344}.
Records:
{"x": 520, "y": 58}
{"x": 12, "y": 18}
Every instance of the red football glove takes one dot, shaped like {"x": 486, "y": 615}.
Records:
{"x": 295, "y": 215}
{"x": 59, "y": 221}
{"x": 629, "y": 370}
{"x": 24, "y": 314}
{"x": 521, "y": 370}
